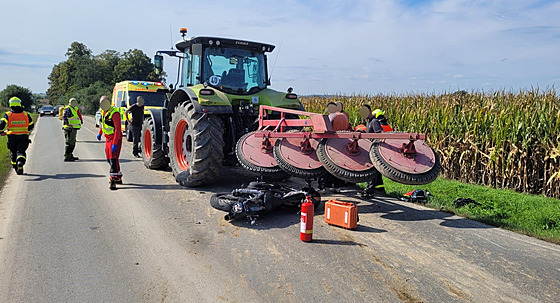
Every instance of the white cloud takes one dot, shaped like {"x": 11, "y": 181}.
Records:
{"x": 322, "y": 47}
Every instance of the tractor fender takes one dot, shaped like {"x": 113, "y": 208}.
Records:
{"x": 186, "y": 94}
{"x": 157, "y": 116}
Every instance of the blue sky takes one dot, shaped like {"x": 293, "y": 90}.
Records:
{"x": 322, "y": 47}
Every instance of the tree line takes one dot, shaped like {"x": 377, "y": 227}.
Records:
{"x": 24, "y": 94}
{"x": 86, "y": 76}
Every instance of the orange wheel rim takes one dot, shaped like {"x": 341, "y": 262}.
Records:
{"x": 147, "y": 144}
{"x": 183, "y": 145}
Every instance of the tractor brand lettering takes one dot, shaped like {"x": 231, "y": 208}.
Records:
{"x": 241, "y": 42}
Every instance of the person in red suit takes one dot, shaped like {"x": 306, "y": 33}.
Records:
{"x": 111, "y": 128}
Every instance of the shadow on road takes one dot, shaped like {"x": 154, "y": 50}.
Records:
{"x": 149, "y": 186}
{"x": 336, "y": 242}
{"x": 280, "y": 218}
{"x": 399, "y": 212}
{"x": 104, "y": 160}
{"x": 62, "y": 176}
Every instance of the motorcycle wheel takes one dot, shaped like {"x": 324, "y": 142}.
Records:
{"x": 223, "y": 201}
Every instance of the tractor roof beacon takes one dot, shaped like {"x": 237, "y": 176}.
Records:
{"x": 221, "y": 85}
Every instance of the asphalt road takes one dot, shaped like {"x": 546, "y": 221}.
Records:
{"x": 65, "y": 237}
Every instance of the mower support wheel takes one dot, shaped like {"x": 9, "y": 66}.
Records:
{"x": 420, "y": 169}
{"x": 250, "y": 156}
{"x": 350, "y": 167}
{"x": 287, "y": 152}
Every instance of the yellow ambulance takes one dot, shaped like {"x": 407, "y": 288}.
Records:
{"x": 126, "y": 92}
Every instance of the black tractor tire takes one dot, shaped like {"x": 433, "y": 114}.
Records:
{"x": 153, "y": 154}
{"x": 340, "y": 172}
{"x": 401, "y": 177}
{"x": 196, "y": 146}
{"x": 128, "y": 131}
{"x": 266, "y": 173}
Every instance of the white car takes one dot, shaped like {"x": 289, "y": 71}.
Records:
{"x": 98, "y": 118}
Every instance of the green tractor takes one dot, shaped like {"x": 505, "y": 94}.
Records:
{"x": 222, "y": 82}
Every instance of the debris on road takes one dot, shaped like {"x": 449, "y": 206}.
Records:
{"x": 460, "y": 202}
{"x": 418, "y": 196}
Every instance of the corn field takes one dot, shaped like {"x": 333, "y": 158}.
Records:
{"x": 503, "y": 139}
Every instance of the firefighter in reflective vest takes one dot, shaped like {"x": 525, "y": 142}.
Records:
{"x": 111, "y": 127}
{"x": 17, "y": 124}
{"x": 376, "y": 123}
{"x": 71, "y": 123}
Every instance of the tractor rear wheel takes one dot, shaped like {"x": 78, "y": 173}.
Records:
{"x": 196, "y": 146}
{"x": 152, "y": 154}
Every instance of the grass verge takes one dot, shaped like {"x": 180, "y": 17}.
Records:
{"x": 5, "y": 165}
{"x": 533, "y": 215}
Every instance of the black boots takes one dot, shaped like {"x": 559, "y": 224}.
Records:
{"x": 68, "y": 157}
{"x": 19, "y": 167}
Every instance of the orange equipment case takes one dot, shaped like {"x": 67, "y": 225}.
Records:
{"x": 343, "y": 214}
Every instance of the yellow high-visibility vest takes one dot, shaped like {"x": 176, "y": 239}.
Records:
{"x": 108, "y": 129}
{"x": 74, "y": 120}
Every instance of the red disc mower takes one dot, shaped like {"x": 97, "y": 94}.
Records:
{"x": 308, "y": 147}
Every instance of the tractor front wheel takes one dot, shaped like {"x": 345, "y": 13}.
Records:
{"x": 195, "y": 146}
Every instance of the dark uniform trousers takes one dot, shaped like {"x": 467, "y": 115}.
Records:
{"x": 18, "y": 144}
{"x": 136, "y": 132}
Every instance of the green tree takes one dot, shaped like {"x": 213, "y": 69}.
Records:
{"x": 82, "y": 70}
{"x": 80, "y": 66}
{"x": 135, "y": 65}
{"x": 105, "y": 65}
{"x": 58, "y": 82}
{"x": 73, "y": 74}
{"x": 78, "y": 50}
{"x": 24, "y": 94}
{"x": 88, "y": 98}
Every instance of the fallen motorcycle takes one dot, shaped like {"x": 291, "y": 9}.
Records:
{"x": 260, "y": 198}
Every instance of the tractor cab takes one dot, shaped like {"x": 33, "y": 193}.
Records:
{"x": 231, "y": 66}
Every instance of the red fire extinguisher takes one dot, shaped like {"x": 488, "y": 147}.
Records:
{"x": 306, "y": 230}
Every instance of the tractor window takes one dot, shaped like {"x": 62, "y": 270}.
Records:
{"x": 150, "y": 98}
{"x": 191, "y": 67}
{"x": 236, "y": 71}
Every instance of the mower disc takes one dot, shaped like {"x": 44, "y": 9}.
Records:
{"x": 254, "y": 158}
{"x": 340, "y": 162}
{"x": 421, "y": 168}
{"x": 290, "y": 157}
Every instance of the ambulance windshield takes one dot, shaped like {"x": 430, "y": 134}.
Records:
{"x": 150, "y": 98}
